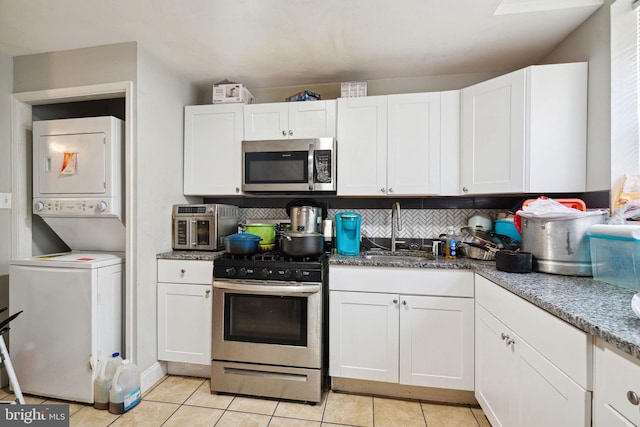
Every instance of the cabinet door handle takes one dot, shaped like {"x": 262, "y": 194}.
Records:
{"x": 633, "y": 398}
{"x": 208, "y": 291}
{"x": 465, "y": 189}
{"x": 382, "y": 190}
{"x": 391, "y": 190}
{"x": 284, "y": 133}
{"x": 237, "y": 189}
{"x": 290, "y": 132}
{"x": 404, "y": 302}
{"x": 504, "y": 336}
{"x": 395, "y": 301}
{"x": 511, "y": 341}
{"x": 182, "y": 271}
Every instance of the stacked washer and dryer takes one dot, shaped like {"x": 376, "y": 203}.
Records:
{"x": 72, "y": 302}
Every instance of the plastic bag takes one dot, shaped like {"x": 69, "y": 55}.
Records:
{"x": 629, "y": 192}
{"x": 549, "y": 209}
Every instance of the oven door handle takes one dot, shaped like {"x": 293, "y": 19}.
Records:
{"x": 267, "y": 289}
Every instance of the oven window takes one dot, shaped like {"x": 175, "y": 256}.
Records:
{"x": 276, "y": 167}
{"x": 203, "y": 232}
{"x": 265, "y": 319}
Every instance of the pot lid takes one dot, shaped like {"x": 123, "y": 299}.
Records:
{"x": 242, "y": 236}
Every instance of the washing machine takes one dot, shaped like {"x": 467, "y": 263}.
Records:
{"x": 72, "y": 302}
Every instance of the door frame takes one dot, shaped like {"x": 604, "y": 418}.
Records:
{"x": 21, "y": 212}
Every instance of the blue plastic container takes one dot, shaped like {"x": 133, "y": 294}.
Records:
{"x": 615, "y": 254}
{"x": 348, "y": 233}
{"x": 507, "y": 227}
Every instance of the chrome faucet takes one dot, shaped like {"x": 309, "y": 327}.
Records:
{"x": 396, "y": 220}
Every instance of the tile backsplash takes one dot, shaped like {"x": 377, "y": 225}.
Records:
{"x": 416, "y": 223}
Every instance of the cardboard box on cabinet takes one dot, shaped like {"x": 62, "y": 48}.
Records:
{"x": 231, "y": 92}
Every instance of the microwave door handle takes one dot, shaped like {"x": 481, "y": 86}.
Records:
{"x": 194, "y": 233}
{"x": 310, "y": 167}
{"x": 276, "y": 290}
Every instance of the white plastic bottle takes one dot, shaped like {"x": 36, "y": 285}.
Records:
{"x": 452, "y": 244}
{"x": 102, "y": 383}
{"x": 125, "y": 388}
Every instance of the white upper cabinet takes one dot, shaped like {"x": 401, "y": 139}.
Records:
{"x": 393, "y": 145}
{"x": 525, "y": 132}
{"x": 284, "y": 120}
{"x": 362, "y": 151}
{"x": 212, "y": 150}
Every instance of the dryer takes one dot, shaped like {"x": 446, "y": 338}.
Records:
{"x": 78, "y": 183}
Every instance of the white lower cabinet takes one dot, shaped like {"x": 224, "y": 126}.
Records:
{"x": 518, "y": 384}
{"x": 616, "y": 391}
{"x": 421, "y": 335}
{"x": 184, "y": 311}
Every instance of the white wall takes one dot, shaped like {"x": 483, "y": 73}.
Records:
{"x": 6, "y": 84}
{"x": 77, "y": 67}
{"x": 591, "y": 42}
{"x": 161, "y": 97}
{"x": 374, "y": 87}
{"x": 155, "y": 180}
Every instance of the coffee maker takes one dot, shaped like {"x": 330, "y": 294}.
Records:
{"x": 348, "y": 233}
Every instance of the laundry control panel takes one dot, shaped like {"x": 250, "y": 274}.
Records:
{"x": 74, "y": 206}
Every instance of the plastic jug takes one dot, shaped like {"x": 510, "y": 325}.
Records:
{"x": 125, "y": 388}
{"x": 102, "y": 383}
{"x": 348, "y": 233}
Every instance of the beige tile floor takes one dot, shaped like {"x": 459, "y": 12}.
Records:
{"x": 185, "y": 401}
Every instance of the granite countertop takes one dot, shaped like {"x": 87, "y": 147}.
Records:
{"x": 190, "y": 255}
{"x": 598, "y": 308}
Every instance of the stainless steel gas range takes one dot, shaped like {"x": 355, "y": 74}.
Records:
{"x": 270, "y": 326}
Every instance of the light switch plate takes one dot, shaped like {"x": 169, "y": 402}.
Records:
{"x": 5, "y": 200}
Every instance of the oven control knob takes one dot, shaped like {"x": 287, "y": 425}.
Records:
{"x": 264, "y": 273}
{"x": 297, "y": 275}
{"x": 242, "y": 272}
{"x": 231, "y": 271}
{"x": 287, "y": 274}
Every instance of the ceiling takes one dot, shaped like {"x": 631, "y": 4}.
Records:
{"x": 270, "y": 43}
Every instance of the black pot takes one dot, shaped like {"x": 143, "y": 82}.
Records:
{"x": 513, "y": 261}
{"x": 298, "y": 244}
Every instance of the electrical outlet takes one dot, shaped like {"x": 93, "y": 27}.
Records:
{"x": 5, "y": 200}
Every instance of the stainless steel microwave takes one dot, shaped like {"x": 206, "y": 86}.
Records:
{"x": 203, "y": 227}
{"x": 293, "y": 165}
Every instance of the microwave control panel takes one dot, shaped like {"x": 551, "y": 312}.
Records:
{"x": 322, "y": 166}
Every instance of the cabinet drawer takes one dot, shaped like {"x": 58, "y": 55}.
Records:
{"x": 185, "y": 271}
{"x": 401, "y": 280}
{"x": 562, "y": 344}
{"x": 616, "y": 374}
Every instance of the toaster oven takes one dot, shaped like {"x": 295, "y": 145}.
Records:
{"x": 203, "y": 227}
